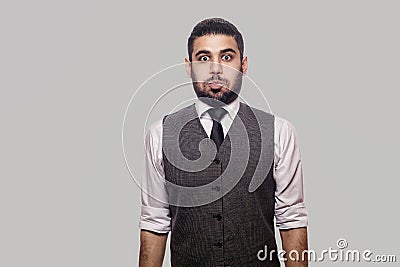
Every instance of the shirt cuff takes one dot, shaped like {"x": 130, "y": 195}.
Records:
{"x": 294, "y": 216}
{"x": 155, "y": 219}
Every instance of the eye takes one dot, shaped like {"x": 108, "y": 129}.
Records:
{"x": 204, "y": 58}
{"x": 226, "y": 57}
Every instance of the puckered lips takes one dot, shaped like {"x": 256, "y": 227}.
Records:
{"x": 216, "y": 85}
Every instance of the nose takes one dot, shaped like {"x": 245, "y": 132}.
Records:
{"x": 215, "y": 68}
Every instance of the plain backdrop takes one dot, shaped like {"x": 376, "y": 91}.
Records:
{"x": 69, "y": 69}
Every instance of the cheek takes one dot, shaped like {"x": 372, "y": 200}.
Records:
{"x": 232, "y": 67}
{"x": 200, "y": 70}
{"x": 231, "y": 73}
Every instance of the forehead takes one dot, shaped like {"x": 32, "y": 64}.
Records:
{"x": 214, "y": 43}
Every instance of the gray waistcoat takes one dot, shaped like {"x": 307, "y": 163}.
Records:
{"x": 232, "y": 228}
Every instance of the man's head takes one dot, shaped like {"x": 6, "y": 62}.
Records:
{"x": 216, "y": 62}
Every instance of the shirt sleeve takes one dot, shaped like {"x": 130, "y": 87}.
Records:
{"x": 290, "y": 209}
{"x": 155, "y": 212}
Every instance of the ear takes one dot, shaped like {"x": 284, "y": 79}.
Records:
{"x": 244, "y": 65}
{"x": 188, "y": 67}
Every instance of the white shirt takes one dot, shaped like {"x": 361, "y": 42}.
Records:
{"x": 290, "y": 209}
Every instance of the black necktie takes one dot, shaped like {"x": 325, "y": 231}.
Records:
{"x": 217, "y": 134}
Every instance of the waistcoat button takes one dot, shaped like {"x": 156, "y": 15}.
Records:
{"x": 218, "y": 244}
{"x": 218, "y": 217}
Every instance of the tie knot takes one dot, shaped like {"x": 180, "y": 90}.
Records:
{"x": 217, "y": 113}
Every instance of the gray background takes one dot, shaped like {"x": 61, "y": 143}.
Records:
{"x": 69, "y": 68}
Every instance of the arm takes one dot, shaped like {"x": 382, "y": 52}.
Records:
{"x": 290, "y": 209}
{"x": 152, "y": 248}
{"x": 155, "y": 221}
{"x": 294, "y": 242}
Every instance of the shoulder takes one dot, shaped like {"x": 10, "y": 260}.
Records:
{"x": 283, "y": 127}
{"x": 262, "y": 118}
{"x": 155, "y": 127}
{"x": 181, "y": 112}
{"x": 285, "y": 138}
{"x": 155, "y": 130}
{"x": 256, "y": 111}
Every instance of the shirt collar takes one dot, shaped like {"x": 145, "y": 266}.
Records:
{"x": 232, "y": 108}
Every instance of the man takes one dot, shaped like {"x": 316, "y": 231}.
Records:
{"x": 221, "y": 214}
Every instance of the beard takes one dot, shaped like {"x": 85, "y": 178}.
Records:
{"x": 218, "y": 97}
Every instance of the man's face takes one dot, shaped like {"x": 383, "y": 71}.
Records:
{"x": 216, "y": 69}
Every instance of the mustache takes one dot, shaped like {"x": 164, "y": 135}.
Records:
{"x": 216, "y": 78}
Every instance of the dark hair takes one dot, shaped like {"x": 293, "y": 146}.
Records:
{"x": 215, "y": 26}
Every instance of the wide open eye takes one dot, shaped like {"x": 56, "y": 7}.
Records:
{"x": 204, "y": 58}
{"x": 226, "y": 57}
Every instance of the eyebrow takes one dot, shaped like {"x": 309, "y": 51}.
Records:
{"x": 221, "y": 51}
{"x": 228, "y": 50}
